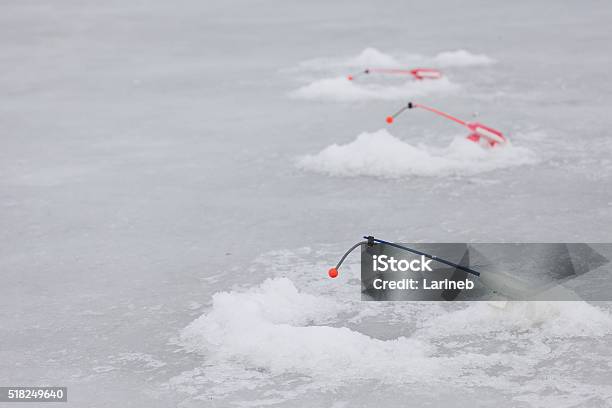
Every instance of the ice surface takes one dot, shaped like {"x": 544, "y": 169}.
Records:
{"x": 148, "y": 162}
{"x": 381, "y": 154}
{"x": 341, "y": 89}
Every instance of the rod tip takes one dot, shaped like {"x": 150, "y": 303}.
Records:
{"x": 389, "y": 119}
{"x": 350, "y": 77}
{"x": 333, "y": 273}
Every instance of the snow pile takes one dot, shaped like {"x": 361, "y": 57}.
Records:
{"x": 274, "y": 328}
{"x": 341, "y": 89}
{"x": 460, "y": 58}
{"x": 383, "y": 155}
{"x": 380, "y": 86}
{"x": 552, "y": 319}
{"x": 278, "y": 343}
{"x": 373, "y": 58}
{"x": 368, "y": 58}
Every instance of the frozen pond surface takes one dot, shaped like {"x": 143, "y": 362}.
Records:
{"x": 155, "y": 154}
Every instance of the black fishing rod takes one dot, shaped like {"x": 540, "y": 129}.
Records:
{"x": 370, "y": 241}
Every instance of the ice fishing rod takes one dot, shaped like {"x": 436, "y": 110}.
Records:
{"x": 417, "y": 73}
{"x": 478, "y": 130}
{"x": 370, "y": 241}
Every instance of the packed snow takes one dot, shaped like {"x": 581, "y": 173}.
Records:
{"x": 310, "y": 332}
{"x": 286, "y": 335}
{"x": 381, "y": 154}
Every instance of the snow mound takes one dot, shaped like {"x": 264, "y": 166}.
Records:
{"x": 461, "y": 58}
{"x": 279, "y": 343}
{"x": 554, "y": 319}
{"x": 341, "y": 89}
{"x": 274, "y": 328}
{"x": 336, "y": 87}
{"x": 371, "y": 57}
{"x": 368, "y": 57}
{"x": 374, "y": 58}
{"x": 383, "y": 155}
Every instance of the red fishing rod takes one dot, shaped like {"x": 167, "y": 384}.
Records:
{"x": 478, "y": 131}
{"x": 417, "y": 73}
